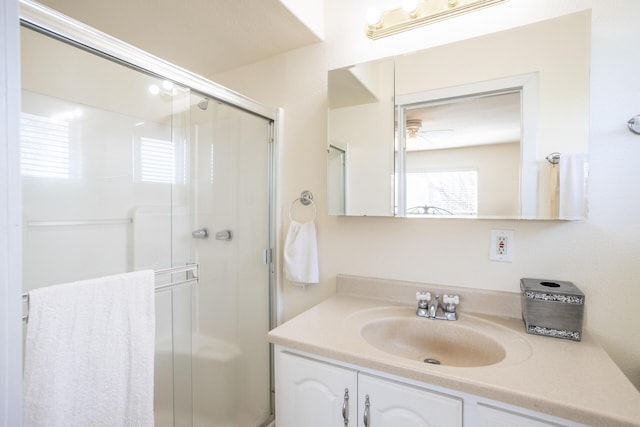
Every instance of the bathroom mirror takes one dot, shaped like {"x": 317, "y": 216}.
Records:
{"x": 360, "y": 166}
{"x": 528, "y": 85}
{"x": 461, "y": 155}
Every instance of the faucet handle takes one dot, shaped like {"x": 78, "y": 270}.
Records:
{"x": 451, "y": 299}
{"x": 423, "y": 296}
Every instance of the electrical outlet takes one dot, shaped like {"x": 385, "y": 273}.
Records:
{"x": 501, "y": 248}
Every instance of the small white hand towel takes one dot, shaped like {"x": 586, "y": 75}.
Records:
{"x": 572, "y": 186}
{"x": 301, "y": 253}
{"x": 89, "y": 353}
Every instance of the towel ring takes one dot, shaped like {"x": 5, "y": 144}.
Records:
{"x": 306, "y": 198}
{"x": 634, "y": 124}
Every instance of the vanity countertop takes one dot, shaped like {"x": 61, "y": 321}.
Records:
{"x": 573, "y": 380}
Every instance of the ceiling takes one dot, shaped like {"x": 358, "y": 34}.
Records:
{"x": 203, "y": 36}
{"x": 467, "y": 121}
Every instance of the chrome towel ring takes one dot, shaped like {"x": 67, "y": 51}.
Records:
{"x": 553, "y": 158}
{"x": 634, "y": 124}
{"x": 306, "y": 198}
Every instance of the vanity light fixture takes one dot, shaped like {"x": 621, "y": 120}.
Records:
{"x": 416, "y": 13}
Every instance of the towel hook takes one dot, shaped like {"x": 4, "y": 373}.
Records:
{"x": 634, "y": 124}
{"x": 306, "y": 198}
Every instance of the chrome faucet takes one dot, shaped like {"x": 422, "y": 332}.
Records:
{"x": 429, "y": 307}
{"x": 434, "y": 305}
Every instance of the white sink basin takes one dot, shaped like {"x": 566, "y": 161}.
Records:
{"x": 467, "y": 342}
{"x": 433, "y": 341}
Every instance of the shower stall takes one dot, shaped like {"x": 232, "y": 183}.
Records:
{"x": 130, "y": 163}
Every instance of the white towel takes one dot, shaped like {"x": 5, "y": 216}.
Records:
{"x": 89, "y": 353}
{"x": 572, "y": 186}
{"x": 301, "y": 253}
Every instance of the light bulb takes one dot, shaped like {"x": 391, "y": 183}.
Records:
{"x": 154, "y": 89}
{"x": 167, "y": 85}
{"x": 410, "y": 6}
{"x": 374, "y": 18}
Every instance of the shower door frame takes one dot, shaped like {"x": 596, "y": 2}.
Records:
{"x": 50, "y": 22}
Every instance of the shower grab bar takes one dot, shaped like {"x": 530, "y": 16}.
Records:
{"x": 189, "y": 268}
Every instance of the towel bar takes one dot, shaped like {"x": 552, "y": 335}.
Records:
{"x": 189, "y": 268}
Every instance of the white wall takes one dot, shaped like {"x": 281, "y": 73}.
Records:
{"x": 600, "y": 255}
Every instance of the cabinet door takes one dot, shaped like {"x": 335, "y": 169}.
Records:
{"x": 389, "y": 404}
{"x": 494, "y": 417}
{"x": 312, "y": 394}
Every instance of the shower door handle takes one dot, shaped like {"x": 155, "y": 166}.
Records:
{"x": 201, "y": 233}
{"x": 224, "y": 235}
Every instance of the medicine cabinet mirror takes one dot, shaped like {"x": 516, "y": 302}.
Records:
{"x": 490, "y": 127}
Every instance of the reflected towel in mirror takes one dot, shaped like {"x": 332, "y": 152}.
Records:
{"x": 572, "y": 178}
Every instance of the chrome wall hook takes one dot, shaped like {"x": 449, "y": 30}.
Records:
{"x": 634, "y": 124}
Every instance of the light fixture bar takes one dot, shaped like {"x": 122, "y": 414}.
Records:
{"x": 428, "y": 11}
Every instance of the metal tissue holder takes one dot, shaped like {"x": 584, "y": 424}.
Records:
{"x": 552, "y": 308}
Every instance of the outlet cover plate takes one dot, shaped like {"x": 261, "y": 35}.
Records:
{"x": 501, "y": 247}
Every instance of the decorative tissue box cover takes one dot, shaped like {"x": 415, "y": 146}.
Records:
{"x": 552, "y": 308}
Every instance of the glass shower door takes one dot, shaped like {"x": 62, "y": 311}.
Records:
{"x": 230, "y": 194}
{"x": 104, "y": 163}
{"x": 119, "y": 167}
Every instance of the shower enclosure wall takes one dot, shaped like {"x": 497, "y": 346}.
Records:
{"x": 120, "y": 165}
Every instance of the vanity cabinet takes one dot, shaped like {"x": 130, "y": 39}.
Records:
{"x": 320, "y": 393}
{"x": 311, "y": 393}
{"x": 489, "y": 416}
